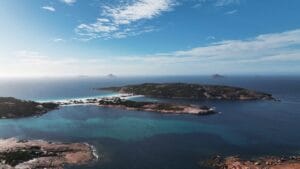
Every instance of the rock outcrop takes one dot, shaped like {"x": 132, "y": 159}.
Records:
{"x": 292, "y": 162}
{"x": 37, "y": 154}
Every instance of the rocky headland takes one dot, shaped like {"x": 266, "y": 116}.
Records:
{"x": 271, "y": 162}
{"x": 156, "y": 107}
{"x": 38, "y": 154}
{"x": 191, "y": 91}
{"x": 117, "y": 102}
{"x": 14, "y": 108}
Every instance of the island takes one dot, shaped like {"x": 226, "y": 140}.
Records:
{"x": 37, "y": 154}
{"x": 121, "y": 103}
{"x": 156, "y": 107}
{"x": 111, "y": 76}
{"x": 14, "y": 108}
{"x": 271, "y": 162}
{"x": 191, "y": 91}
{"x": 217, "y": 76}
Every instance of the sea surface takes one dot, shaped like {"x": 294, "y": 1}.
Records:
{"x": 144, "y": 140}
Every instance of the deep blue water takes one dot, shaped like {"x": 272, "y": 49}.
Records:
{"x": 143, "y": 140}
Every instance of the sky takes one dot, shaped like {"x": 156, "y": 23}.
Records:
{"x": 149, "y": 37}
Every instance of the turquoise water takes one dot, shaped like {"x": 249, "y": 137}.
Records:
{"x": 125, "y": 128}
{"x": 144, "y": 140}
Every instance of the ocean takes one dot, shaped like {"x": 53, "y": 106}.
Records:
{"x": 146, "y": 140}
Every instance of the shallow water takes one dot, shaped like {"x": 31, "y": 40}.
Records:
{"x": 142, "y": 140}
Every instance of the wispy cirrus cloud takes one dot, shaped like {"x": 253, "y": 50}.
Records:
{"x": 124, "y": 20}
{"x": 216, "y": 3}
{"x": 231, "y": 12}
{"x": 262, "y": 46}
{"x": 266, "y": 52}
{"x": 58, "y": 40}
{"x": 226, "y": 2}
{"x": 49, "y": 8}
{"x": 69, "y": 2}
{"x": 282, "y": 46}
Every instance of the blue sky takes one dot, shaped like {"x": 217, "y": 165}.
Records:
{"x": 149, "y": 37}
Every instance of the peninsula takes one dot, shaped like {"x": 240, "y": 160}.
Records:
{"x": 117, "y": 102}
{"x": 14, "y": 108}
{"x": 37, "y": 154}
{"x": 156, "y": 107}
{"x": 191, "y": 91}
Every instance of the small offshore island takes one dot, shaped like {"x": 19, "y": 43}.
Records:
{"x": 191, "y": 91}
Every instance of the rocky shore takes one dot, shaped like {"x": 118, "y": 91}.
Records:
{"x": 291, "y": 162}
{"x": 37, "y": 154}
{"x": 191, "y": 91}
{"x": 156, "y": 107}
{"x": 14, "y": 108}
{"x": 118, "y": 102}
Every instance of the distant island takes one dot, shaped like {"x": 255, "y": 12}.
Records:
{"x": 191, "y": 91}
{"x": 111, "y": 76}
{"x": 14, "y": 108}
{"x": 38, "y": 154}
{"x": 218, "y": 76}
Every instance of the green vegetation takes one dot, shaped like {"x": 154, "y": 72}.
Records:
{"x": 14, "y": 108}
{"x": 119, "y": 101}
{"x": 192, "y": 91}
{"x": 155, "y": 106}
{"x": 20, "y": 155}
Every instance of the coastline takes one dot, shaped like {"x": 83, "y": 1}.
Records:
{"x": 124, "y": 102}
{"x": 36, "y": 154}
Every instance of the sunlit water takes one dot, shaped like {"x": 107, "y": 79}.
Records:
{"x": 143, "y": 140}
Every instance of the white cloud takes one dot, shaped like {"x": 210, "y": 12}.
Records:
{"x": 124, "y": 19}
{"x": 49, "y": 8}
{"x": 142, "y": 9}
{"x": 231, "y": 12}
{"x": 58, "y": 40}
{"x": 210, "y": 38}
{"x": 226, "y": 2}
{"x": 69, "y": 2}
{"x": 283, "y": 46}
{"x": 266, "y": 52}
{"x": 217, "y": 3}
{"x": 258, "y": 47}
